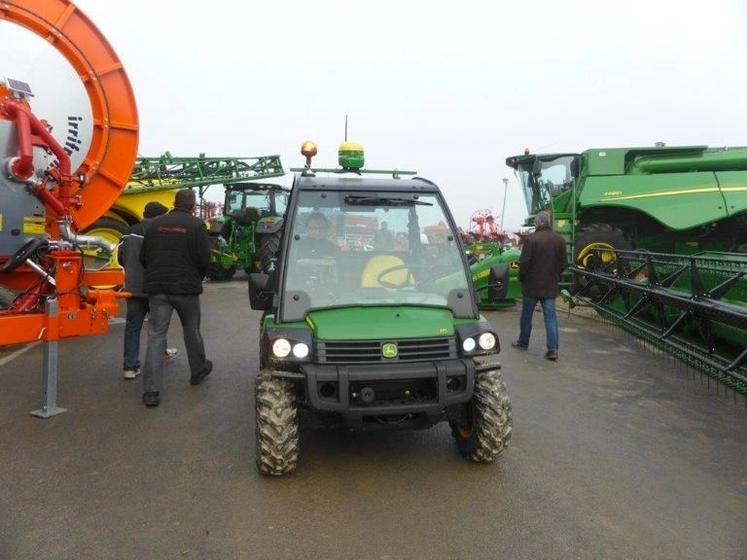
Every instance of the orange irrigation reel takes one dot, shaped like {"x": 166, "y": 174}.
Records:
{"x": 48, "y": 192}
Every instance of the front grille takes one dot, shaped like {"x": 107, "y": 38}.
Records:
{"x": 369, "y": 351}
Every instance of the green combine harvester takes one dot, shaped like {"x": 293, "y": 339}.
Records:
{"x": 658, "y": 236}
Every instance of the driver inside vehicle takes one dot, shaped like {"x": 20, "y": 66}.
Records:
{"x": 315, "y": 243}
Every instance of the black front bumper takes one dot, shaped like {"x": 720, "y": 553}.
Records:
{"x": 426, "y": 389}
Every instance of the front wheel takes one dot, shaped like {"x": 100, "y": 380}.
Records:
{"x": 484, "y": 438}
{"x": 276, "y": 425}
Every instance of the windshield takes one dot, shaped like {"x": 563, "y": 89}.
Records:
{"x": 372, "y": 248}
{"x": 554, "y": 178}
{"x": 238, "y": 201}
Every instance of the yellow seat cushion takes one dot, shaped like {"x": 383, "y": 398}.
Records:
{"x": 378, "y": 264}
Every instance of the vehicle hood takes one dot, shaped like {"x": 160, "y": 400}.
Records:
{"x": 369, "y": 323}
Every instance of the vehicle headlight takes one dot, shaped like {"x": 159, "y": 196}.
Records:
{"x": 486, "y": 341}
{"x": 281, "y": 348}
{"x": 468, "y": 344}
{"x": 301, "y": 350}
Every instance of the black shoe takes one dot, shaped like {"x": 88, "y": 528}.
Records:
{"x": 151, "y": 399}
{"x": 200, "y": 377}
{"x": 551, "y": 355}
{"x": 518, "y": 346}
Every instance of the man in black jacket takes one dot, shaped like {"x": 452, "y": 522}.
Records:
{"x": 128, "y": 256}
{"x": 175, "y": 254}
{"x": 543, "y": 258}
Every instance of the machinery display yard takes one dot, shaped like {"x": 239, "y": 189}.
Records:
{"x": 617, "y": 452}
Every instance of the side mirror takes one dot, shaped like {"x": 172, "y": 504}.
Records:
{"x": 260, "y": 297}
{"x": 536, "y": 167}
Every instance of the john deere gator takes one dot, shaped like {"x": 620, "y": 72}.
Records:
{"x": 373, "y": 327}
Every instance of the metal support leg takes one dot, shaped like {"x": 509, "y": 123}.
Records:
{"x": 49, "y": 375}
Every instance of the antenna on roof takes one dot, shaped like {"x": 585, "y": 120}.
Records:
{"x": 346, "y": 128}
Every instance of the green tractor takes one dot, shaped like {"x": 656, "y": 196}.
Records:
{"x": 373, "y": 326}
{"x": 494, "y": 263}
{"x": 658, "y": 236}
{"x": 247, "y": 234}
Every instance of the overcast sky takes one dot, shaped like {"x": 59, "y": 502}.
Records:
{"x": 448, "y": 89}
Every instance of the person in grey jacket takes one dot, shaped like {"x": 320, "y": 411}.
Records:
{"x": 128, "y": 256}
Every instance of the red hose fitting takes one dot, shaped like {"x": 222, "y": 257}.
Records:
{"x": 23, "y": 167}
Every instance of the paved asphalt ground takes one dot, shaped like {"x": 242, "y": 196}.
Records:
{"x": 616, "y": 453}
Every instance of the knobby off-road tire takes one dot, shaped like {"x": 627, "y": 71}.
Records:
{"x": 490, "y": 432}
{"x": 269, "y": 245}
{"x": 276, "y": 424}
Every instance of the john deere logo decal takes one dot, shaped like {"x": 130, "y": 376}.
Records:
{"x": 389, "y": 350}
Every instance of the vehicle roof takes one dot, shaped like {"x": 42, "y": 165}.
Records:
{"x": 417, "y": 184}
{"x": 256, "y": 187}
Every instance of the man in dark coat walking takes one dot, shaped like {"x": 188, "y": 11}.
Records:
{"x": 175, "y": 254}
{"x": 128, "y": 256}
{"x": 543, "y": 258}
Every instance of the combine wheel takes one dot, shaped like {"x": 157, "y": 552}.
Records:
{"x": 276, "y": 425}
{"x": 489, "y": 432}
{"x": 268, "y": 247}
{"x": 597, "y": 236}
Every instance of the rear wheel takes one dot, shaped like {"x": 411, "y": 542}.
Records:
{"x": 269, "y": 245}
{"x": 112, "y": 231}
{"x": 594, "y": 250}
{"x": 276, "y": 425}
{"x": 485, "y": 437}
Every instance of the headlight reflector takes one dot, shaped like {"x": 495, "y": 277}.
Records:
{"x": 486, "y": 341}
{"x": 281, "y": 348}
{"x": 468, "y": 344}
{"x": 301, "y": 350}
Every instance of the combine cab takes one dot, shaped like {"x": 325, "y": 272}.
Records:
{"x": 658, "y": 237}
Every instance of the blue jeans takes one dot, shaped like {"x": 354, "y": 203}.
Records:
{"x": 137, "y": 308}
{"x": 551, "y": 321}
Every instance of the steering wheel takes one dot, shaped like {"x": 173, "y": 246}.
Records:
{"x": 20, "y": 256}
{"x": 409, "y": 278}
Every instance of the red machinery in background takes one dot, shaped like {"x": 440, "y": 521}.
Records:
{"x": 56, "y": 178}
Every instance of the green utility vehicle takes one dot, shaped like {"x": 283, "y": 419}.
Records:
{"x": 658, "y": 237}
{"x": 372, "y": 323}
{"x": 247, "y": 235}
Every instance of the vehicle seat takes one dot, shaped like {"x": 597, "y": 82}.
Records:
{"x": 248, "y": 216}
{"x": 378, "y": 264}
